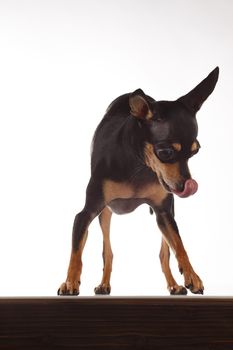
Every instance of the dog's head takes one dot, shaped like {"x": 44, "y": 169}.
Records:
{"x": 171, "y": 134}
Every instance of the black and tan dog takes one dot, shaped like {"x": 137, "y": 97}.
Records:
{"x": 140, "y": 155}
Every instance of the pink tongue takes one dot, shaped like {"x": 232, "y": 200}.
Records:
{"x": 190, "y": 187}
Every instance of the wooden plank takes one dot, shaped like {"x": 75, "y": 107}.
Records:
{"x": 183, "y": 323}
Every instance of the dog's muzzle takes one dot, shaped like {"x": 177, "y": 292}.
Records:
{"x": 190, "y": 188}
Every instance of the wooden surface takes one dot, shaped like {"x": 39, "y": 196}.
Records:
{"x": 182, "y": 323}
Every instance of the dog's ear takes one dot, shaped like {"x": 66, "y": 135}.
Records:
{"x": 139, "y": 106}
{"x": 194, "y": 99}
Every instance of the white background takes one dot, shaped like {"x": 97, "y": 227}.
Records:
{"x": 61, "y": 63}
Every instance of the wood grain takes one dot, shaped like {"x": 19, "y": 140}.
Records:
{"x": 182, "y": 323}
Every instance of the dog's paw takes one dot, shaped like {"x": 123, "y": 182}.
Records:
{"x": 194, "y": 283}
{"x": 195, "y": 290}
{"x": 69, "y": 289}
{"x": 103, "y": 289}
{"x": 177, "y": 290}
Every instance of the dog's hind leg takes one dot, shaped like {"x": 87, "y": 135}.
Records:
{"x": 104, "y": 220}
{"x": 94, "y": 205}
{"x": 172, "y": 285}
{"x": 71, "y": 286}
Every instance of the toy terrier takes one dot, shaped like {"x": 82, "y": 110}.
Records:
{"x": 140, "y": 154}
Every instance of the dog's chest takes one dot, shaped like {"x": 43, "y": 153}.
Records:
{"x": 123, "y": 198}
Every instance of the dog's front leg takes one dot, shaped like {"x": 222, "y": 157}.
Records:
{"x": 169, "y": 229}
{"x": 172, "y": 285}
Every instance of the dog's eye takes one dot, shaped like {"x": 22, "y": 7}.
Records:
{"x": 165, "y": 154}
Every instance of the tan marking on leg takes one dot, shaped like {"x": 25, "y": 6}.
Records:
{"x": 172, "y": 285}
{"x": 71, "y": 286}
{"x": 105, "y": 219}
{"x": 192, "y": 280}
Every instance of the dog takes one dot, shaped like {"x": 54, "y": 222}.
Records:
{"x": 140, "y": 153}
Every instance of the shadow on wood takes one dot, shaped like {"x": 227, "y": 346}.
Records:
{"x": 182, "y": 323}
